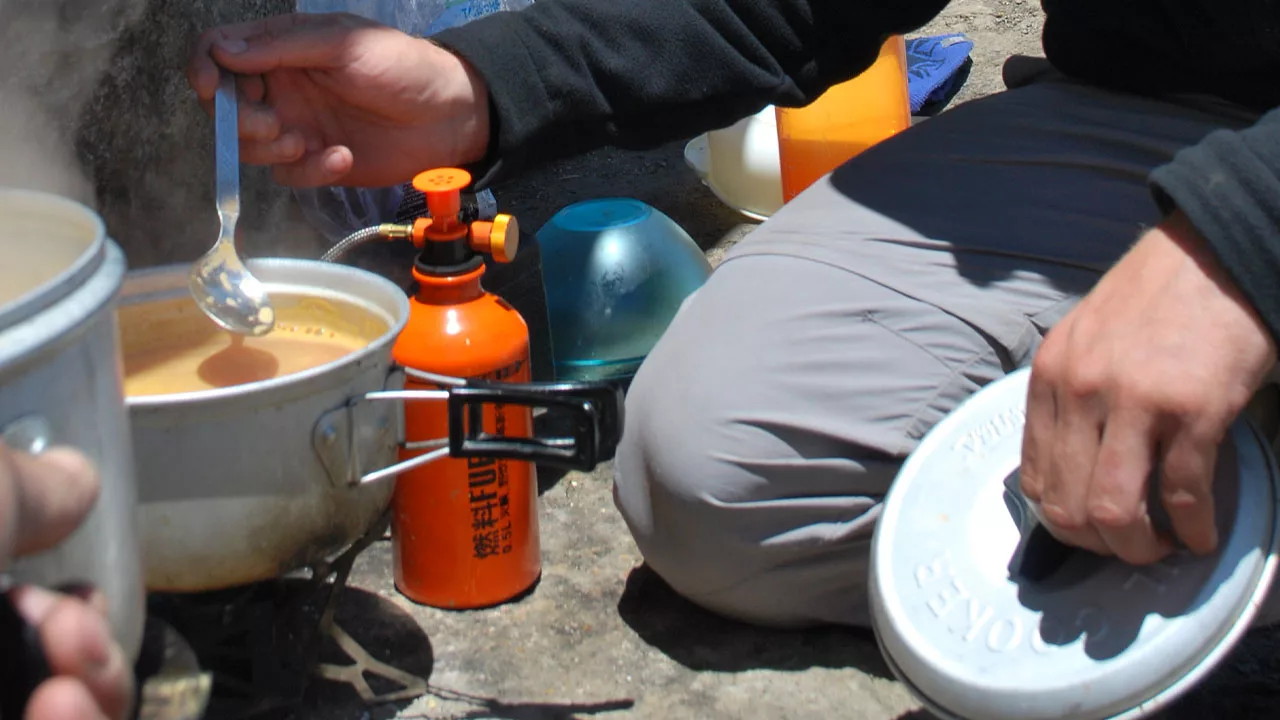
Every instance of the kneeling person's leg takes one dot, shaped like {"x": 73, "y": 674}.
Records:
{"x": 770, "y": 420}
{"x": 767, "y": 425}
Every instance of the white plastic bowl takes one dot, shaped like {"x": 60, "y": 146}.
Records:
{"x": 740, "y": 164}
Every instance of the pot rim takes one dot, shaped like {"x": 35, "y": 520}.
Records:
{"x": 268, "y": 271}
{"x": 63, "y": 319}
{"x": 78, "y": 292}
{"x": 70, "y": 277}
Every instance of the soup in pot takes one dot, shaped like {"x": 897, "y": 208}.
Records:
{"x": 170, "y": 346}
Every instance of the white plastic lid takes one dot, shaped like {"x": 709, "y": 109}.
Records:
{"x": 1097, "y": 638}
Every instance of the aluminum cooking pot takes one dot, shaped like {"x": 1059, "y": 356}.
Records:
{"x": 60, "y": 385}
{"x": 982, "y": 614}
{"x": 249, "y": 482}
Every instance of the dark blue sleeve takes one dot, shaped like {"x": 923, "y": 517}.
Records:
{"x": 1228, "y": 185}
{"x": 568, "y": 76}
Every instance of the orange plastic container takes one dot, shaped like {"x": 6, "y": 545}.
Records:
{"x": 844, "y": 121}
{"x": 464, "y": 531}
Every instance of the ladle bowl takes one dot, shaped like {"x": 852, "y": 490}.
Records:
{"x": 219, "y": 281}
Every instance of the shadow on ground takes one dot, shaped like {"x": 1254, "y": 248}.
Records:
{"x": 387, "y": 634}
{"x": 490, "y": 709}
{"x": 700, "y": 640}
{"x": 372, "y": 677}
{"x": 392, "y": 636}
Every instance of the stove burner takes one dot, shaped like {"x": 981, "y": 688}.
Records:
{"x": 263, "y": 643}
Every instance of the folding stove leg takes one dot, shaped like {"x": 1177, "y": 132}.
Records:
{"x": 340, "y": 570}
{"x": 354, "y": 675}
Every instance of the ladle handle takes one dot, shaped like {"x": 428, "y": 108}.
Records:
{"x": 23, "y": 663}
{"x": 1039, "y": 554}
{"x": 227, "y": 151}
{"x": 594, "y": 413}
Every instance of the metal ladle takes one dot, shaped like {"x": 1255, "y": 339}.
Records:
{"x": 221, "y": 284}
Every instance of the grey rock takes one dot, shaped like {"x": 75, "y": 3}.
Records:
{"x": 96, "y": 106}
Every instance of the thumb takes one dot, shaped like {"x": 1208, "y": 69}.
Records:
{"x": 55, "y": 492}
{"x": 260, "y": 46}
{"x": 285, "y": 41}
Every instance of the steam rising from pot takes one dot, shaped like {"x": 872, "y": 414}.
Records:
{"x": 94, "y": 105}
{"x": 52, "y": 55}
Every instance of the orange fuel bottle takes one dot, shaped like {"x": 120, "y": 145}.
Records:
{"x": 847, "y": 119}
{"x": 464, "y": 530}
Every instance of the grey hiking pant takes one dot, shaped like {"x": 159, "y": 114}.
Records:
{"x": 767, "y": 424}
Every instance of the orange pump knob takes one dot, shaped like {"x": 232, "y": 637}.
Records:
{"x": 443, "y": 189}
{"x": 499, "y": 239}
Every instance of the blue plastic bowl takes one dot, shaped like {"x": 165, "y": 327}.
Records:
{"x": 616, "y": 272}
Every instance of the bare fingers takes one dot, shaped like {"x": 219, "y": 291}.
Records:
{"x": 79, "y": 647}
{"x": 218, "y": 48}
{"x": 63, "y": 698}
{"x": 326, "y": 166}
{"x": 53, "y": 493}
{"x": 1186, "y": 487}
{"x": 1066, "y": 450}
{"x": 1120, "y": 485}
{"x": 298, "y": 40}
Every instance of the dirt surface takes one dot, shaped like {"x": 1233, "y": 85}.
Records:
{"x": 603, "y": 637}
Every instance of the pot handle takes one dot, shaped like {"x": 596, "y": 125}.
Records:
{"x": 23, "y": 663}
{"x": 592, "y": 411}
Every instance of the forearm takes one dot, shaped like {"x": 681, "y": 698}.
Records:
{"x": 1228, "y": 186}
{"x": 567, "y": 76}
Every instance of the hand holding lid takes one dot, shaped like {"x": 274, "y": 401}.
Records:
{"x": 983, "y": 614}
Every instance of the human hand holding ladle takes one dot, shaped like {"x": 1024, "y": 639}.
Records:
{"x": 220, "y": 283}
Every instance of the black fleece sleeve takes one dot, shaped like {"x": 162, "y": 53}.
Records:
{"x": 568, "y": 76}
{"x": 1228, "y": 185}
